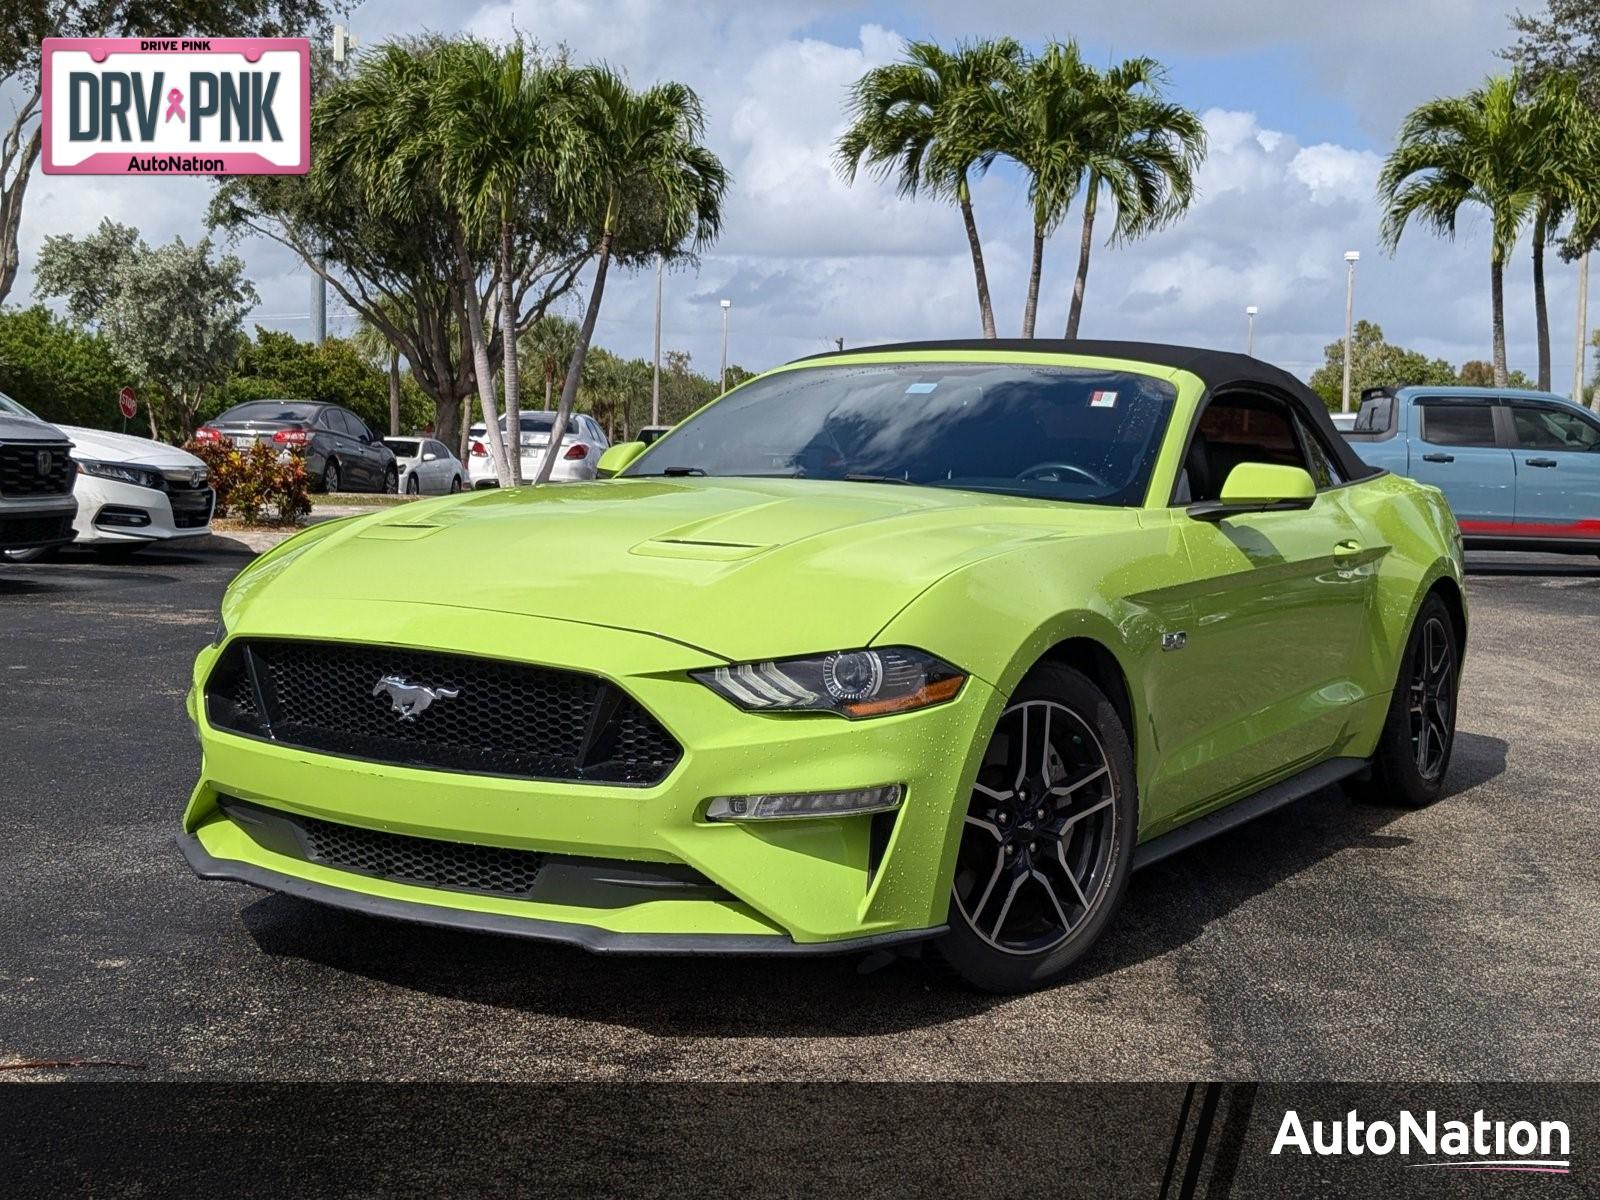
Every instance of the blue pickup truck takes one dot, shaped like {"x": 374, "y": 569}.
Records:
{"x": 1521, "y": 469}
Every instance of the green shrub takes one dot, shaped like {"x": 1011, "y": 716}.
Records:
{"x": 251, "y": 482}
{"x": 60, "y": 372}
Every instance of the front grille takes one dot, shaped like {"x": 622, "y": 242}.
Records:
{"x": 192, "y": 508}
{"x": 20, "y": 473}
{"x": 18, "y": 532}
{"x": 456, "y": 865}
{"x": 503, "y": 718}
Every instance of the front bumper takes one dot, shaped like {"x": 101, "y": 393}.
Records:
{"x": 113, "y": 512}
{"x": 26, "y": 523}
{"x": 813, "y": 885}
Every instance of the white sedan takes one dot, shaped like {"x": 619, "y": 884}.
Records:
{"x": 132, "y": 491}
{"x": 427, "y": 467}
{"x": 581, "y": 448}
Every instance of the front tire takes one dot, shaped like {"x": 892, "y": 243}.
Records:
{"x": 1047, "y": 843}
{"x": 1419, "y": 733}
{"x": 32, "y": 554}
{"x": 413, "y": 486}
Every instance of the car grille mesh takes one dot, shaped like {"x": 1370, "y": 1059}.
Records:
{"x": 20, "y": 474}
{"x": 456, "y": 865}
{"x": 25, "y": 531}
{"x": 505, "y": 718}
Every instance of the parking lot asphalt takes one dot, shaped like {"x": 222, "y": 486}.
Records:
{"x": 1329, "y": 940}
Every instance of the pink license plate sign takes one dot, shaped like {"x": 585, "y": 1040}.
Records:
{"x": 177, "y": 106}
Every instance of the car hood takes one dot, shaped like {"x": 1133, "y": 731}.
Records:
{"x": 102, "y": 446}
{"x": 739, "y": 568}
{"x": 27, "y": 429}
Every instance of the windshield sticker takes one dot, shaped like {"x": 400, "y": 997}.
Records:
{"x": 920, "y": 389}
{"x": 1103, "y": 400}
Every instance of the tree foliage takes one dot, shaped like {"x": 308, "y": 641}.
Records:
{"x": 63, "y": 372}
{"x": 173, "y": 316}
{"x": 1375, "y": 362}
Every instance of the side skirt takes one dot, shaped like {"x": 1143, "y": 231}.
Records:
{"x": 1286, "y": 791}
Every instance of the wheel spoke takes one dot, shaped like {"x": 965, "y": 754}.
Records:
{"x": 994, "y": 878}
{"x": 1422, "y": 747}
{"x": 1066, "y": 789}
{"x": 1061, "y": 855}
{"x": 1051, "y": 892}
{"x": 989, "y": 826}
{"x": 992, "y": 793}
{"x": 1044, "y": 749}
{"x": 1067, "y": 825}
{"x": 1005, "y": 908}
{"x": 1022, "y": 752}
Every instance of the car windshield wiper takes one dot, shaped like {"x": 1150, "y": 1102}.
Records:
{"x": 853, "y": 478}
{"x": 681, "y": 471}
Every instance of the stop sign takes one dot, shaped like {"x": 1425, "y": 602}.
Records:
{"x": 126, "y": 403}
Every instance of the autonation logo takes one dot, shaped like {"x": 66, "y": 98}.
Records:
{"x": 1480, "y": 1144}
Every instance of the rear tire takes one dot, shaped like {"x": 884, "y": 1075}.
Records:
{"x": 330, "y": 477}
{"x": 1047, "y": 844}
{"x": 1419, "y": 732}
{"x": 455, "y": 485}
{"x": 391, "y": 480}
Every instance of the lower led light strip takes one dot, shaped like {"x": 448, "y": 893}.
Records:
{"x": 788, "y": 806}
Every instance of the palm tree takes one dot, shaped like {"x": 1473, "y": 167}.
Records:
{"x": 1472, "y": 149}
{"x": 629, "y": 145}
{"x": 374, "y": 346}
{"x": 382, "y": 127}
{"x": 1048, "y": 115}
{"x": 548, "y": 342}
{"x": 931, "y": 120}
{"x": 504, "y": 133}
{"x": 1143, "y": 150}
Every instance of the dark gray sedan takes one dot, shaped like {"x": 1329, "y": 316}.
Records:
{"x": 341, "y": 453}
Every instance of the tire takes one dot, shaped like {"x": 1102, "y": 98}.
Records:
{"x": 1410, "y": 765}
{"x": 330, "y": 476}
{"x": 455, "y": 485}
{"x": 32, "y": 554}
{"x": 1028, "y": 933}
{"x": 413, "y": 487}
{"x": 391, "y": 480}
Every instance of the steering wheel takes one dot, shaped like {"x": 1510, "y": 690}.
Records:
{"x": 1043, "y": 470}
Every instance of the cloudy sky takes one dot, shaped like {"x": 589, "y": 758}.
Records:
{"x": 1300, "y": 100}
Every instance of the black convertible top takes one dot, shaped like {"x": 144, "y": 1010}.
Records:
{"x": 1215, "y": 368}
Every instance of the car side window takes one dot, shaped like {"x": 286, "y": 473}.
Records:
{"x": 1324, "y": 467}
{"x": 1540, "y": 428}
{"x": 358, "y": 428}
{"x": 1238, "y": 427}
{"x": 1457, "y": 423}
{"x": 328, "y": 419}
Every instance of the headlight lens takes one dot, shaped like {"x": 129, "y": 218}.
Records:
{"x": 122, "y": 472}
{"x": 852, "y": 683}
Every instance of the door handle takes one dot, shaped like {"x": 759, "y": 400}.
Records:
{"x": 1540, "y": 462}
{"x": 1438, "y": 458}
{"x": 1346, "y": 550}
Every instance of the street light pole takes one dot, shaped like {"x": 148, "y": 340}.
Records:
{"x": 655, "y": 369}
{"x": 1250, "y": 311}
{"x": 1351, "y": 258}
{"x": 1583, "y": 328}
{"x": 726, "y": 305}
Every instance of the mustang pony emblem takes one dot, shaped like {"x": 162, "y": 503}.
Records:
{"x": 410, "y": 699}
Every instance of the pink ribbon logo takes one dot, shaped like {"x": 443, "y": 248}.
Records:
{"x": 175, "y": 105}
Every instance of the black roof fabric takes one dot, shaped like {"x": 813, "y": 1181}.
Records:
{"x": 1215, "y": 368}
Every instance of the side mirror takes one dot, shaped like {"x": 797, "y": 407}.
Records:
{"x": 1258, "y": 487}
{"x": 429, "y": 456}
{"x": 617, "y": 458}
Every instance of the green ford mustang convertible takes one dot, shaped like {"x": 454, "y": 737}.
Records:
{"x": 926, "y": 645}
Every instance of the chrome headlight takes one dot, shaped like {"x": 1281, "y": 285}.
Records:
{"x": 122, "y": 472}
{"x": 852, "y": 683}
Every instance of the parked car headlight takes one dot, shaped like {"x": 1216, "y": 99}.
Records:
{"x": 122, "y": 472}
{"x": 852, "y": 683}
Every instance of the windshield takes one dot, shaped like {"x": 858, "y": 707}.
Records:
{"x": 270, "y": 410}
{"x": 7, "y": 404}
{"x": 403, "y": 447}
{"x": 1060, "y": 433}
